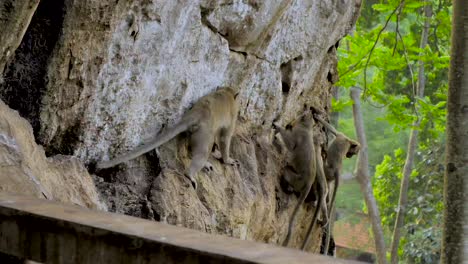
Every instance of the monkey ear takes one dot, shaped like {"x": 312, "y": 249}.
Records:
{"x": 235, "y": 92}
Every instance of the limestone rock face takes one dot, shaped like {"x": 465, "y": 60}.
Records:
{"x": 122, "y": 70}
{"x": 15, "y": 17}
{"x": 25, "y": 169}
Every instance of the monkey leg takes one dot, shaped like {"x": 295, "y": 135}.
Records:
{"x": 200, "y": 142}
{"x": 324, "y": 209}
{"x": 323, "y": 185}
{"x": 304, "y": 192}
{"x": 314, "y": 220}
{"x": 286, "y": 181}
{"x": 225, "y": 144}
{"x": 219, "y": 156}
{"x": 331, "y": 210}
{"x": 335, "y": 190}
{"x": 208, "y": 166}
{"x": 329, "y": 230}
{"x": 288, "y": 138}
{"x": 293, "y": 178}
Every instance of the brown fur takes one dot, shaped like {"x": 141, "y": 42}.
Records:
{"x": 301, "y": 170}
{"x": 322, "y": 191}
{"x": 211, "y": 120}
{"x": 340, "y": 147}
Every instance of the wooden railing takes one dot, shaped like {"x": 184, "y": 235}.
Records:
{"x": 51, "y": 232}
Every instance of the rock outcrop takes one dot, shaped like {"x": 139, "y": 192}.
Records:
{"x": 15, "y": 17}
{"x": 25, "y": 169}
{"x": 121, "y": 70}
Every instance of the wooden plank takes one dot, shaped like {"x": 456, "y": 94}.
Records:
{"x": 51, "y": 232}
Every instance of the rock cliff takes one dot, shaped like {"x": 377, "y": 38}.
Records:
{"x": 25, "y": 169}
{"x": 122, "y": 70}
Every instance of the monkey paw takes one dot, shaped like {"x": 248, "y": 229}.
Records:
{"x": 208, "y": 167}
{"x": 232, "y": 162}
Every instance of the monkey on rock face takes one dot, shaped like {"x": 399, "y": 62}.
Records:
{"x": 340, "y": 147}
{"x": 212, "y": 119}
{"x": 301, "y": 171}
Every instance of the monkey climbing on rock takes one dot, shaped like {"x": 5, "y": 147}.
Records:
{"x": 212, "y": 119}
{"x": 301, "y": 171}
{"x": 321, "y": 188}
{"x": 340, "y": 147}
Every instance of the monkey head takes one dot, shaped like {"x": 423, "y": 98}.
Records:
{"x": 307, "y": 119}
{"x": 353, "y": 149}
{"x": 233, "y": 91}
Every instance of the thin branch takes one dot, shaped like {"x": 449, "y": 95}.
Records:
{"x": 405, "y": 54}
{"x": 375, "y": 44}
{"x": 352, "y": 67}
{"x": 377, "y": 106}
{"x": 397, "y": 31}
{"x": 436, "y": 39}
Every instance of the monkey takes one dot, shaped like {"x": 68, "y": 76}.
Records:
{"x": 340, "y": 147}
{"x": 300, "y": 172}
{"x": 321, "y": 188}
{"x": 212, "y": 119}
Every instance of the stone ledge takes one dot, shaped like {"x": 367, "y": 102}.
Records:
{"x": 51, "y": 232}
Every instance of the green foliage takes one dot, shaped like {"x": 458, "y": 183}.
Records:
{"x": 398, "y": 113}
{"x": 387, "y": 178}
{"x": 341, "y": 105}
{"x": 433, "y": 117}
{"x": 422, "y": 245}
{"x": 382, "y": 136}
{"x": 396, "y": 51}
{"x": 382, "y": 57}
{"x": 349, "y": 197}
{"x": 421, "y": 241}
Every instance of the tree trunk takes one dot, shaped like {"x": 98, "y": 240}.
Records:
{"x": 454, "y": 242}
{"x": 363, "y": 177}
{"x": 15, "y": 16}
{"x": 412, "y": 144}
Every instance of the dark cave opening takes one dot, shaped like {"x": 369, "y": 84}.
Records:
{"x": 25, "y": 76}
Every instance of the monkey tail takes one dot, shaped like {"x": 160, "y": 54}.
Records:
{"x": 332, "y": 202}
{"x": 327, "y": 125}
{"x": 186, "y": 122}
{"x": 332, "y": 207}
{"x": 329, "y": 229}
{"x": 294, "y": 214}
{"x": 312, "y": 224}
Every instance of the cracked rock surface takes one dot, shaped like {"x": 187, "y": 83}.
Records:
{"x": 122, "y": 70}
{"x": 25, "y": 169}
